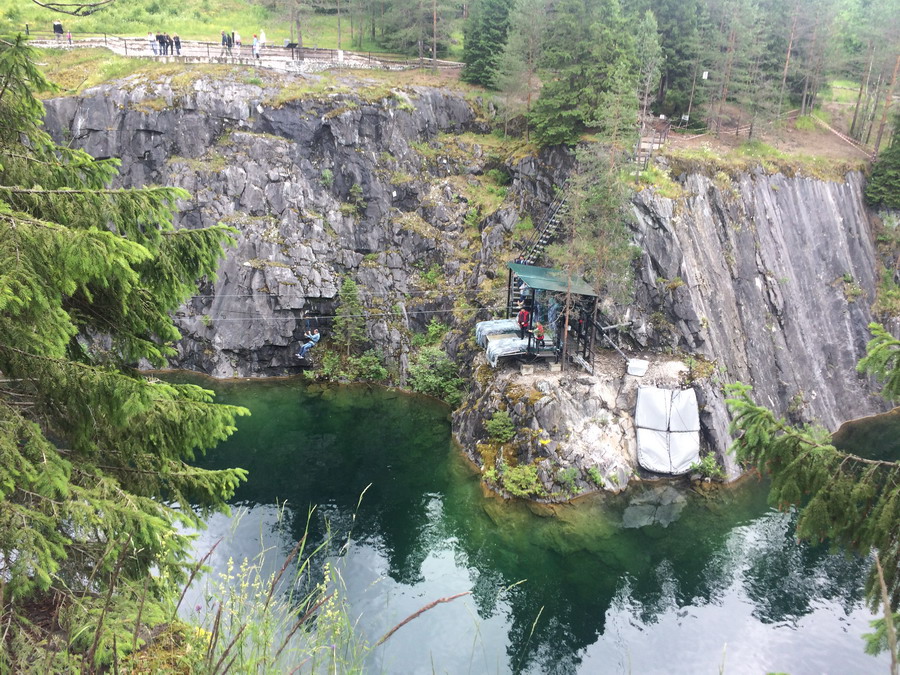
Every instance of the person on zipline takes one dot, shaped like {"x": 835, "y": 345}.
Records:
{"x": 313, "y": 341}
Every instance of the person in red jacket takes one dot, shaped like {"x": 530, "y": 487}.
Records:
{"x": 522, "y": 318}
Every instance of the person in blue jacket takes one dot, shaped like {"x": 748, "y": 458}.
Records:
{"x": 313, "y": 341}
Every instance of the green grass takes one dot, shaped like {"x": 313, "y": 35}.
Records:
{"x": 191, "y": 19}
{"x": 756, "y": 154}
{"x": 196, "y": 20}
{"x": 841, "y": 91}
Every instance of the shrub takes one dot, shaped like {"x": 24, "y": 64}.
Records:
{"x": 567, "y": 477}
{"x": 522, "y": 481}
{"x": 432, "y": 335}
{"x": 708, "y": 467}
{"x": 369, "y": 367}
{"x": 595, "y": 476}
{"x": 500, "y": 427}
{"x": 433, "y": 373}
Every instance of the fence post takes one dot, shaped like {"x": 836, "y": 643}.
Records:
{"x": 26, "y": 30}
{"x": 104, "y": 39}
{"x": 126, "y": 46}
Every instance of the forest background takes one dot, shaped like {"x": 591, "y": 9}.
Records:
{"x": 728, "y": 65}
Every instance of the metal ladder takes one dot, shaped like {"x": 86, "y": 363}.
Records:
{"x": 548, "y": 230}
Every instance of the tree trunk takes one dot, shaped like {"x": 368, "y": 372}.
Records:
{"x": 787, "y": 58}
{"x": 434, "y": 33}
{"x": 887, "y": 105}
{"x": 339, "y": 22}
{"x": 854, "y": 132}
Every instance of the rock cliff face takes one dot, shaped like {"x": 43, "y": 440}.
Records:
{"x": 773, "y": 280}
{"x": 324, "y": 183}
{"x": 767, "y": 278}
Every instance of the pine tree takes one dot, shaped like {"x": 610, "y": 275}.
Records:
{"x": 883, "y": 188}
{"x": 850, "y": 500}
{"x": 518, "y": 66}
{"x": 349, "y": 323}
{"x": 649, "y": 58}
{"x": 485, "y": 38}
{"x": 95, "y": 480}
{"x": 584, "y": 44}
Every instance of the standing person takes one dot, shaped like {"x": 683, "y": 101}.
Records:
{"x": 255, "y": 47}
{"x": 69, "y": 37}
{"x": 161, "y": 42}
{"x": 58, "y": 30}
{"x": 237, "y": 43}
{"x": 154, "y": 45}
{"x": 177, "y": 42}
{"x": 313, "y": 341}
{"x": 229, "y": 43}
{"x": 170, "y": 45}
{"x": 262, "y": 38}
{"x": 224, "y": 44}
{"x": 523, "y": 318}
{"x": 538, "y": 333}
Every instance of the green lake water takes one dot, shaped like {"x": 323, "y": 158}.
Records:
{"x": 659, "y": 580}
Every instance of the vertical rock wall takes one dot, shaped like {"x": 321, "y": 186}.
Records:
{"x": 769, "y": 277}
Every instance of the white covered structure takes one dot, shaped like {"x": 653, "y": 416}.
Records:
{"x": 668, "y": 429}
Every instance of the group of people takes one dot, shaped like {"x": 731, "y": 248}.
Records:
{"x": 58, "y": 32}
{"x": 523, "y": 319}
{"x": 232, "y": 41}
{"x": 163, "y": 44}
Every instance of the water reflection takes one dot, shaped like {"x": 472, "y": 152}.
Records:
{"x": 656, "y": 581}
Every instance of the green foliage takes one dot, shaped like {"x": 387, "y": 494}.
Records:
{"x": 850, "y": 500}
{"x": 708, "y": 467}
{"x": 586, "y": 47}
{"x": 433, "y": 373}
{"x": 499, "y": 176}
{"x": 598, "y": 245}
{"x": 567, "y": 477}
{"x": 485, "y": 36}
{"x": 432, "y": 277}
{"x": 327, "y": 178}
{"x": 96, "y": 486}
{"x": 883, "y": 361}
{"x": 595, "y": 476}
{"x": 521, "y": 481}
{"x": 433, "y": 334}
{"x": 356, "y": 197}
{"x": 349, "y": 319}
{"x": 500, "y": 427}
{"x": 883, "y": 188}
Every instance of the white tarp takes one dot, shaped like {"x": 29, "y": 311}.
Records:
{"x": 505, "y": 347}
{"x": 668, "y": 429}
{"x": 485, "y": 328}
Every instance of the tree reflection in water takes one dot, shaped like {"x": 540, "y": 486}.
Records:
{"x": 655, "y": 561}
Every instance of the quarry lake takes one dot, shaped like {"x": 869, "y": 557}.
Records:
{"x": 661, "y": 579}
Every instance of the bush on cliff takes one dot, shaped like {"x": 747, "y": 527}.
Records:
{"x": 433, "y": 373}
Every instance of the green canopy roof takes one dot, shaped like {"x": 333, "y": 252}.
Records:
{"x": 550, "y": 279}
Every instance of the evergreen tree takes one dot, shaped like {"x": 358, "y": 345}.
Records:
{"x": 95, "y": 480}
{"x": 649, "y": 58}
{"x": 883, "y": 188}
{"x": 584, "y": 44}
{"x": 349, "y": 322}
{"x": 485, "y": 38}
{"x": 518, "y": 67}
{"x": 851, "y": 500}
